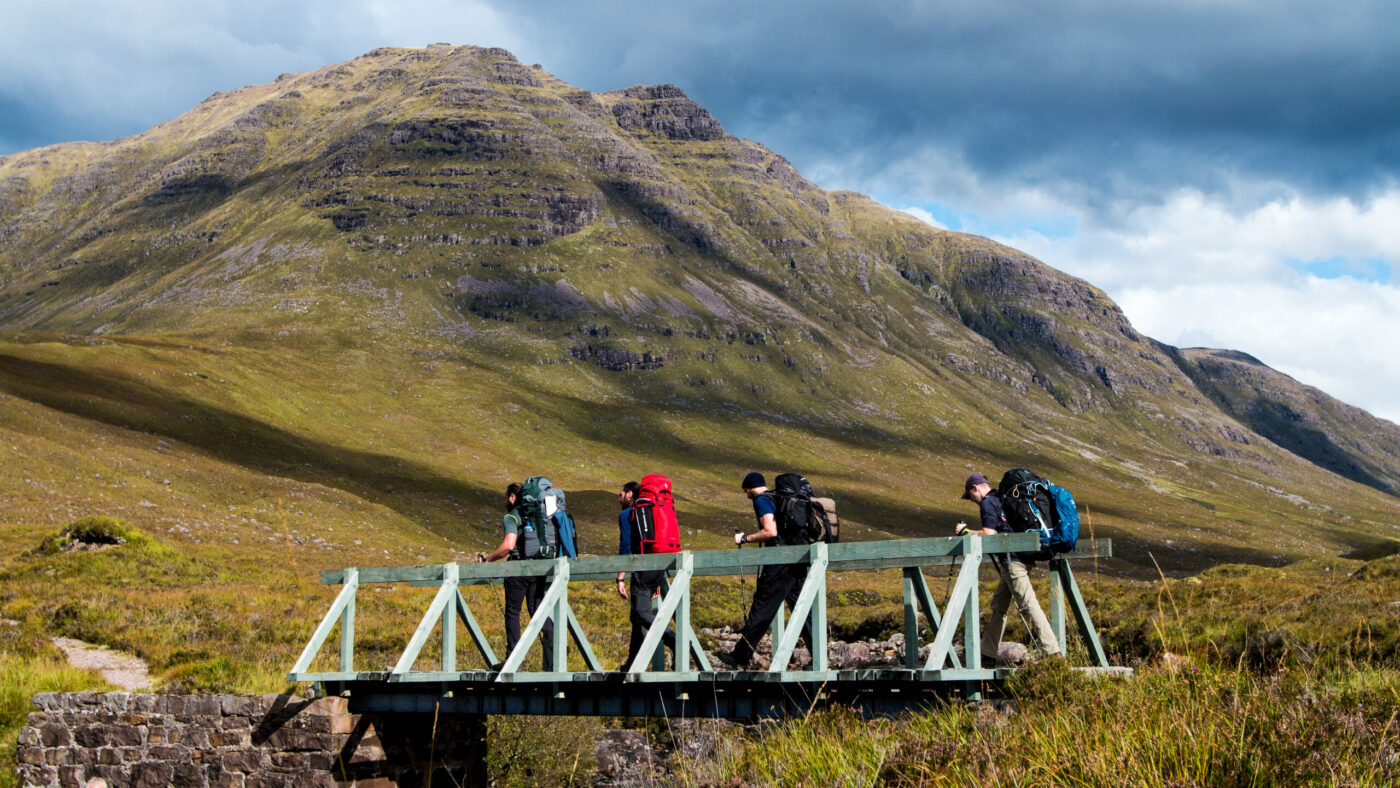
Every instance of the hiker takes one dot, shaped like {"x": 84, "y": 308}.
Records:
{"x": 529, "y": 590}
{"x": 777, "y": 583}
{"x": 1014, "y": 570}
{"x": 646, "y": 586}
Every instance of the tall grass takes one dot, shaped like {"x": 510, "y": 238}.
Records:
{"x": 21, "y": 677}
{"x": 1200, "y": 726}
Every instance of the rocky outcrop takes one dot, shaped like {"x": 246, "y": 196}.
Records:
{"x": 666, "y": 110}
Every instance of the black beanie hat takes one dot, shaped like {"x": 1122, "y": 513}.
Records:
{"x": 753, "y": 480}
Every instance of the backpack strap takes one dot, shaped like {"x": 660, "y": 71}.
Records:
{"x": 517, "y": 553}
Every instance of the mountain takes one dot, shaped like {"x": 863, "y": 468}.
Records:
{"x": 387, "y": 287}
{"x": 1343, "y": 439}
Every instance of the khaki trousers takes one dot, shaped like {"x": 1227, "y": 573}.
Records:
{"x": 1016, "y": 585}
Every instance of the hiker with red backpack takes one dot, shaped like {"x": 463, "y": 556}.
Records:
{"x": 1014, "y": 570}
{"x": 647, "y": 525}
{"x": 777, "y": 583}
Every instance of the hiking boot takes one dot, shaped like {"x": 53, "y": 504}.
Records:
{"x": 731, "y": 661}
{"x": 989, "y": 663}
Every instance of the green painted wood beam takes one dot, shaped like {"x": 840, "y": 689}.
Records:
{"x": 558, "y": 589}
{"x": 446, "y": 594}
{"x": 347, "y": 625}
{"x": 681, "y": 657}
{"x": 1081, "y": 613}
{"x": 680, "y": 589}
{"x": 702, "y": 660}
{"x": 561, "y": 613}
{"x": 1100, "y": 548}
{"x": 848, "y": 556}
{"x": 483, "y": 646}
{"x": 814, "y": 585}
{"x": 972, "y": 632}
{"x": 965, "y": 585}
{"x": 323, "y": 630}
{"x": 449, "y": 620}
{"x": 585, "y": 649}
{"x": 1057, "y": 608}
{"x": 911, "y": 618}
{"x": 923, "y": 599}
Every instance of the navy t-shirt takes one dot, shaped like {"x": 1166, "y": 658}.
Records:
{"x": 764, "y": 504}
{"x": 993, "y": 516}
{"x": 624, "y": 532}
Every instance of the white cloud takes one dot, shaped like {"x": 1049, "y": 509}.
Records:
{"x": 1195, "y": 271}
{"x": 1330, "y": 333}
{"x": 108, "y": 69}
{"x": 1190, "y": 237}
{"x": 923, "y": 216}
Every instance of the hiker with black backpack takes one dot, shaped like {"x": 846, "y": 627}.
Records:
{"x": 520, "y": 539}
{"x": 1014, "y": 571}
{"x": 777, "y": 583}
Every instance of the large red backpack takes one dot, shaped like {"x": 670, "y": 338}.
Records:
{"x": 653, "y": 521}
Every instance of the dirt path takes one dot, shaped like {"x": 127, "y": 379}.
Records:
{"x": 122, "y": 670}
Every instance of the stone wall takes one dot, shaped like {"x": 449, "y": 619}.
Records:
{"x": 131, "y": 739}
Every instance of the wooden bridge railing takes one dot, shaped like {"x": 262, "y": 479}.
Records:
{"x": 449, "y": 607}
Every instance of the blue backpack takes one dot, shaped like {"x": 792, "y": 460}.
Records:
{"x": 1062, "y": 537}
{"x": 1036, "y": 504}
{"x": 566, "y": 534}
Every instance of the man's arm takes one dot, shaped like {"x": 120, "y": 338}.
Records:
{"x": 624, "y": 547}
{"x": 767, "y": 531}
{"x": 993, "y": 515}
{"x": 504, "y": 551}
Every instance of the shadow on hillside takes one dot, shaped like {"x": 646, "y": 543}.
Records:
{"x": 383, "y": 479}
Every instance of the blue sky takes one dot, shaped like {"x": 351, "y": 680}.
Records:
{"x": 1226, "y": 169}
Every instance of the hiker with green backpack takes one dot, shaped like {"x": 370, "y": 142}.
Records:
{"x": 522, "y": 541}
{"x": 1014, "y": 571}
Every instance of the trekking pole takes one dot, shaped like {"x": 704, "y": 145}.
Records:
{"x": 742, "y": 601}
{"x": 948, "y": 585}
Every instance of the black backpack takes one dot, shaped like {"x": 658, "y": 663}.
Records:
{"x": 801, "y": 520}
{"x": 1025, "y": 500}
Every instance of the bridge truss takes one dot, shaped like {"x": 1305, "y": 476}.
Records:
{"x": 692, "y": 687}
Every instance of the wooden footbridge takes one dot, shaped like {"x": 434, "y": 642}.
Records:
{"x": 692, "y": 687}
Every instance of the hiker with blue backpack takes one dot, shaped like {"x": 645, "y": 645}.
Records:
{"x": 536, "y": 527}
{"x": 1014, "y": 569}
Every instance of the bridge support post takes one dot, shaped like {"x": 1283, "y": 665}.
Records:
{"x": 434, "y": 749}
{"x": 1057, "y": 603}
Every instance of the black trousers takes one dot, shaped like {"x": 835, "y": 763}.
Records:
{"x": 644, "y": 584}
{"x": 777, "y": 583}
{"x": 529, "y": 590}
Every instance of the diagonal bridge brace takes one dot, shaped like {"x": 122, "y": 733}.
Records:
{"x": 811, "y": 601}
{"x": 962, "y": 601}
{"x": 675, "y": 604}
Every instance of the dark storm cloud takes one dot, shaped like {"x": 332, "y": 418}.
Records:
{"x": 1084, "y": 96}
